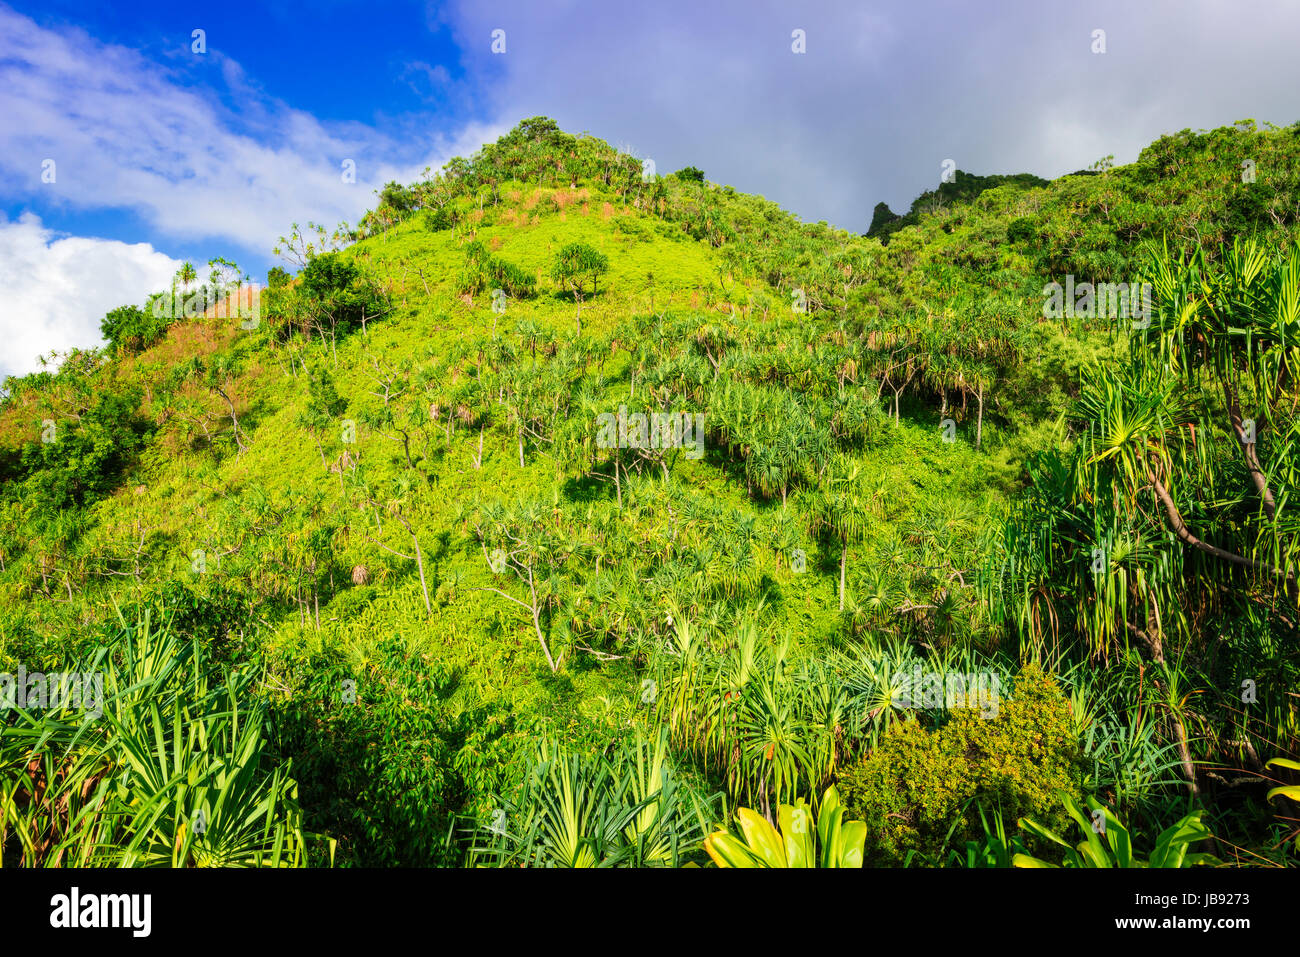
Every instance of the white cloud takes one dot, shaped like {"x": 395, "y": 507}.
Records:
{"x": 54, "y": 291}
{"x": 128, "y": 132}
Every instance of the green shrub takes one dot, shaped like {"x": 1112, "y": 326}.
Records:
{"x": 335, "y": 286}
{"x": 922, "y": 789}
{"x": 516, "y": 281}
{"x": 629, "y": 226}
{"x": 131, "y": 329}
{"x": 215, "y": 617}
{"x": 485, "y": 271}
{"x": 374, "y": 751}
{"x": 401, "y": 199}
{"x": 442, "y": 218}
{"x": 85, "y": 461}
{"x": 1021, "y": 231}
{"x": 328, "y": 274}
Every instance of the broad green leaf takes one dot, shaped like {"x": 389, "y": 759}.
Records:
{"x": 762, "y": 838}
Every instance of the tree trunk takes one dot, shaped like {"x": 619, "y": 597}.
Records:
{"x": 419, "y": 559}
{"x": 979, "y": 421}
{"x": 844, "y": 560}
{"x": 419, "y": 562}
{"x": 1248, "y": 448}
{"x": 1181, "y": 530}
{"x": 537, "y": 623}
{"x": 1185, "y": 756}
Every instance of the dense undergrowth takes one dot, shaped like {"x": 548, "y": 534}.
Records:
{"x": 369, "y": 565}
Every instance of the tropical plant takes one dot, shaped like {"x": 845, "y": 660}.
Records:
{"x": 1172, "y": 847}
{"x": 798, "y": 839}
{"x": 843, "y": 508}
{"x": 994, "y": 849}
{"x": 1291, "y": 791}
{"x": 916, "y": 788}
{"x": 174, "y": 772}
{"x": 576, "y": 810}
{"x": 575, "y": 265}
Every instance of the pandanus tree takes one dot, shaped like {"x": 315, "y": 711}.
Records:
{"x": 176, "y": 774}
{"x": 576, "y": 810}
{"x": 1233, "y": 327}
{"x": 1217, "y": 477}
{"x": 324, "y": 405}
{"x": 522, "y": 401}
{"x": 1169, "y": 522}
{"x": 399, "y": 505}
{"x": 525, "y": 542}
{"x": 576, "y": 265}
{"x": 842, "y": 508}
{"x": 1238, "y": 325}
{"x": 186, "y": 274}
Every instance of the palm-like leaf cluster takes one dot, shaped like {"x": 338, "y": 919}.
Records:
{"x": 628, "y": 809}
{"x": 174, "y": 773}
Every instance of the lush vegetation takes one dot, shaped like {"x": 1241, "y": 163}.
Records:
{"x": 559, "y": 514}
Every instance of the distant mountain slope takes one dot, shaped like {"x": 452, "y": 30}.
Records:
{"x": 962, "y": 187}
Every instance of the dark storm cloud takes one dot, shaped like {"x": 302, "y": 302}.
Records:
{"x": 885, "y": 92}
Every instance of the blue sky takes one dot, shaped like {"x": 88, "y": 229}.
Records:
{"x": 287, "y": 51}
{"x": 163, "y": 155}
{"x": 390, "y": 67}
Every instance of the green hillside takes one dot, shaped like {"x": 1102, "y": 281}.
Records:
{"x": 380, "y": 525}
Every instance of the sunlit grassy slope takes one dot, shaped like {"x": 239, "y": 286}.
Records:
{"x": 252, "y": 512}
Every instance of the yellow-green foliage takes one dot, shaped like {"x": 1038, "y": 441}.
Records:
{"x": 919, "y": 785}
{"x": 274, "y": 485}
